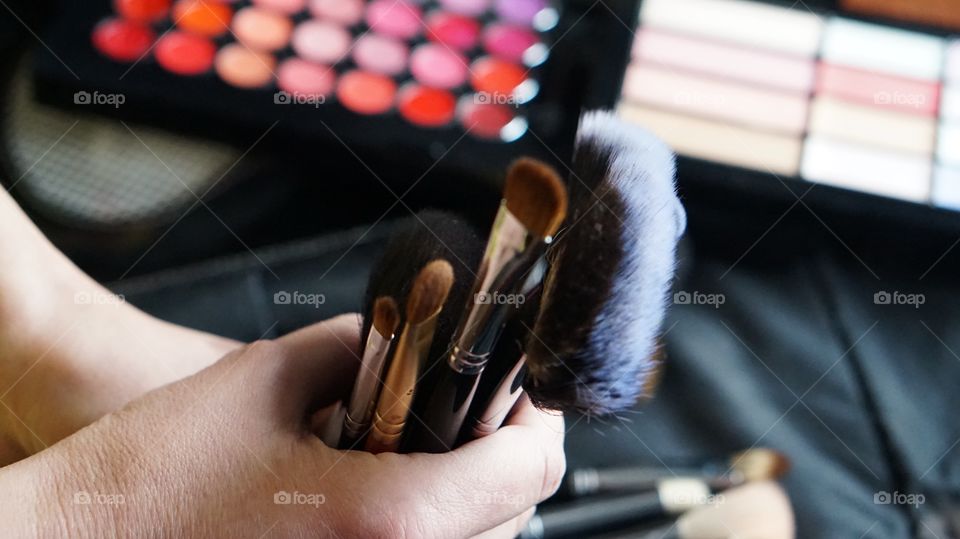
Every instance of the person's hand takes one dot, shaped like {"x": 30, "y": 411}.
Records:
{"x": 70, "y": 351}
{"x": 229, "y": 452}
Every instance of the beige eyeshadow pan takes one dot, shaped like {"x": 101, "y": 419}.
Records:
{"x": 873, "y": 125}
{"x": 717, "y": 141}
{"x": 671, "y": 89}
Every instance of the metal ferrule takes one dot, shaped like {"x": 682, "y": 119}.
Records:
{"x": 363, "y": 400}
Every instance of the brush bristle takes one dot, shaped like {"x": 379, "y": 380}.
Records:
{"x": 536, "y": 195}
{"x": 430, "y": 291}
{"x": 612, "y": 267}
{"x": 386, "y": 316}
{"x": 756, "y": 510}
{"x": 761, "y": 464}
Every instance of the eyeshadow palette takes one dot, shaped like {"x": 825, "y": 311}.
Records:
{"x": 475, "y": 81}
{"x": 811, "y": 96}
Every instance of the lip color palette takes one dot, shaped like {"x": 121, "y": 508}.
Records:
{"x": 467, "y": 62}
{"x": 821, "y": 97}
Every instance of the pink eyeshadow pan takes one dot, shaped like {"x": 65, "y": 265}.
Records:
{"x": 346, "y": 12}
{"x": 455, "y": 31}
{"x": 301, "y": 77}
{"x": 395, "y": 18}
{"x": 508, "y": 41}
{"x": 437, "y": 66}
{"x": 466, "y": 7}
{"x": 381, "y": 54}
{"x": 868, "y": 88}
{"x": 261, "y": 29}
{"x": 321, "y": 41}
{"x": 290, "y": 7}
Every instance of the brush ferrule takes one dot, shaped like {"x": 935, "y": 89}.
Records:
{"x": 363, "y": 400}
{"x": 512, "y": 252}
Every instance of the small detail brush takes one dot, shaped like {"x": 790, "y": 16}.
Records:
{"x": 748, "y": 466}
{"x": 366, "y": 389}
{"x": 424, "y": 304}
{"x": 534, "y": 204}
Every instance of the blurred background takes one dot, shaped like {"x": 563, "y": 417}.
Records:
{"x": 200, "y": 157}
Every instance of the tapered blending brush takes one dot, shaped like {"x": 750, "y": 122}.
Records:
{"x": 533, "y": 206}
{"x": 593, "y": 346}
{"x": 424, "y": 304}
{"x": 748, "y": 466}
{"x": 366, "y": 388}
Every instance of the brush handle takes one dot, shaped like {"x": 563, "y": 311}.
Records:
{"x": 446, "y": 412}
{"x": 582, "y": 482}
{"x": 580, "y": 518}
{"x": 496, "y": 409}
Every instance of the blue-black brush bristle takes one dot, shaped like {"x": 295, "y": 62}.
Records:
{"x": 593, "y": 346}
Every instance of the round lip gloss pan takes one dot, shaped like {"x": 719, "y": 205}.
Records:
{"x": 438, "y": 66}
{"x": 239, "y": 66}
{"x": 142, "y": 10}
{"x": 495, "y": 76}
{"x": 381, "y": 54}
{"x": 471, "y": 8}
{"x": 455, "y": 31}
{"x": 345, "y": 12}
{"x": 300, "y": 77}
{"x": 509, "y": 41}
{"x": 261, "y": 29}
{"x": 427, "y": 107}
{"x": 366, "y": 93}
{"x": 184, "y": 53}
{"x": 204, "y": 17}
{"x": 395, "y": 18}
{"x": 520, "y": 11}
{"x": 288, "y": 7}
{"x": 321, "y": 41}
{"x": 483, "y": 120}
{"x": 122, "y": 40}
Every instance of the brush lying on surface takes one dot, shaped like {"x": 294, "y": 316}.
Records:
{"x": 748, "y": 466}
{"x": 758, "y": 510}
{"x": 754, "y": 511}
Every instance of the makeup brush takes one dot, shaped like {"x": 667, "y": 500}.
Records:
{"x": 366, "y": 389}
{"x": 671, "y": 497}
{"x": 533, "y": 206}
{"x": 754, "y": 511}
{"x": 605, "y": 297}
{"x": 748, "y": 466}
{"x": 424, "y": 304}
